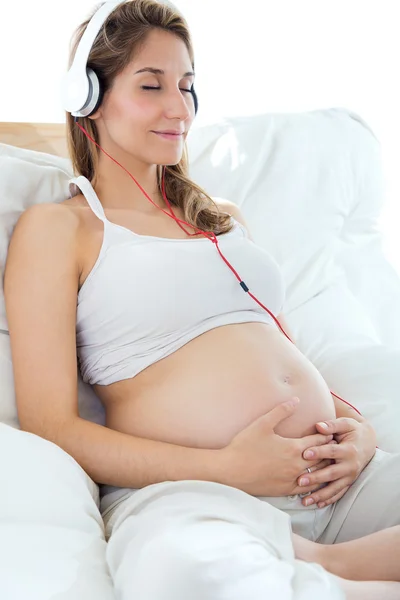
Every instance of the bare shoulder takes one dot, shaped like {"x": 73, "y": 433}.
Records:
{"x": 232, "y": 209}
{"x": 77, "y": 201}
{"x": 229, "y": 207}
{"x": 41, "y": 216}
{"x": 225, "y": 204}
{"x": 47, "y": 227}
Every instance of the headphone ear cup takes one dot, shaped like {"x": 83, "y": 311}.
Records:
{"x": 95, "y": 95}
{"x": 100, "y": 96}
{"x": 195, "y": 100}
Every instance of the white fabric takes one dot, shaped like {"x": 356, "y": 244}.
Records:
{"x": 197, "y": 532}
{"x": 224, "y": 545}
{"x": 310, "y": 186}
{"x": 52, "y": 536}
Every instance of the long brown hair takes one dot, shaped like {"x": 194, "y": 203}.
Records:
{"x": 123, "y": 34}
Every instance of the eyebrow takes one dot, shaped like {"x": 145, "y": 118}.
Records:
{"x": 161, "y": 72}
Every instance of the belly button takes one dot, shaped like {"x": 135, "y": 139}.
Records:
{"x": 287, "y": 379}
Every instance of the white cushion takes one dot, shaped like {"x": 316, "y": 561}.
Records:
{"x": 311, "y": 189}
{"x": 52, "y": 535}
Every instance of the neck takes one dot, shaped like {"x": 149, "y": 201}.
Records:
{"x": 116, "y": 189}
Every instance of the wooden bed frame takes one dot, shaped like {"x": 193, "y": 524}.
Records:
{"x": 43, "y": 137}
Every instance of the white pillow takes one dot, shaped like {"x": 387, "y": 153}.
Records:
{"x": 28, "y": 178}
{"x": 51, "y": 531}
{"x": 310, "y": 186}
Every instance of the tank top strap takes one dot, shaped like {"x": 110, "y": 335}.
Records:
{"x": 87, "y": 190}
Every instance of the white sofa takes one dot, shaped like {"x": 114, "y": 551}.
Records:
{"x": 310, "y": 187}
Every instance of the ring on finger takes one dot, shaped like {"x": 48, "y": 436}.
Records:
{"x": 309, "y": 470}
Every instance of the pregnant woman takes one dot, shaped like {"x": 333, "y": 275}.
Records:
{"x": 208, "y": 467}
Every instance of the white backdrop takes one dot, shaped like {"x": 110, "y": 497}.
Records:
{"x": 251, "y": 57}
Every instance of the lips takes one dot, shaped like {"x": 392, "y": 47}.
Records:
{"x": 170, "y": 131}
{"x": 169, "y": 136}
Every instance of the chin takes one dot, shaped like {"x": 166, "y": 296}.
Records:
{"x": 168, "y": 160}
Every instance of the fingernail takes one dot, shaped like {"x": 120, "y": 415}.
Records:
{"x": 309, "y": 501}
{"x": 308, "y": 454}
{"x": 321, "y": 504}
{"x": 304, "y": 481}
{"x": 323, "y": 425}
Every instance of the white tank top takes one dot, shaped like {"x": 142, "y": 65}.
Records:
{"x": 147, "y": 296}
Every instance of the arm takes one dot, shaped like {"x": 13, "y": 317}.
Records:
{"x": 123, "y": 460}
{"x": 41, "y": 284}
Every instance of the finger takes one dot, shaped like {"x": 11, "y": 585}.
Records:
{"x": 306, "y": 490}
{"x": 314, "y": 440}
{"x": 313, "y": 464}
{"x": 280, "y": 412}
{"x": 334, "y": 498}
{"x": 316, "y": 467}
{"x": 321, "y": 465}
{"x": 305, "y": 475}
{"x": 326, "y": 475}
{"x": 325, "y": 493}
{"x": 340, "y": 425}
{"x": 333, "y": 451}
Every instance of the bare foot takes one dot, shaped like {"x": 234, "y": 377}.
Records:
{"x": 354, "y": 590}
{"x": 369, "y": 590}
{"x": 373, "y": 557}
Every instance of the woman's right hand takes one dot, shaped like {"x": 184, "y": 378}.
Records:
{"x": 262, "y": 463}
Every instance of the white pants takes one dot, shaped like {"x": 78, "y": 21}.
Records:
{"x": 198, "y": 540}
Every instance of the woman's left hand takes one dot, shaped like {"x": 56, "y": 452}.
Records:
{"x": 356, "y": 445}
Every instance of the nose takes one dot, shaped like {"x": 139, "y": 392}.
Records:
{"x": 179, "y": 105}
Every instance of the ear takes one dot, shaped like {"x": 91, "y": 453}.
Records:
{"x": 96, "y": 115}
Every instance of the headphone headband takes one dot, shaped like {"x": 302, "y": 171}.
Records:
{"x": 91, "y": 31}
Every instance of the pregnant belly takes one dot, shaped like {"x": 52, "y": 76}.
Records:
{"x": 214, "y": 386}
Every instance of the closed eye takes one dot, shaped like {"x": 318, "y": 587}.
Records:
{"x": 148, "y": 87}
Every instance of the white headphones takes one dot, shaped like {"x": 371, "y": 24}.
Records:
{"x": 81, "y": 88}
{"x": 81, "y": 93}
